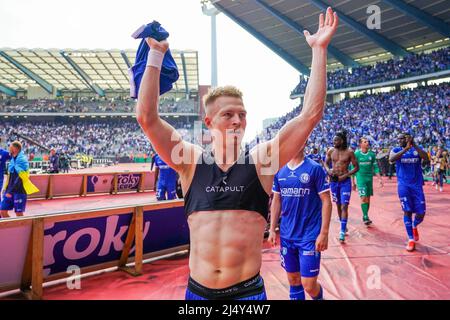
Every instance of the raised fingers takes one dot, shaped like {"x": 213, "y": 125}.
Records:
{"x": 328, "y": 17}
{"x": 335, "y": 20}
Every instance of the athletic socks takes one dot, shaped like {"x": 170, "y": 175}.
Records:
{"x": 343, "y": 230}
{"x": 417, "y": 220}
{"x": 408, "y": 225}
{"x": 319, "y": 296}
{"x": 365, "y": 210}
{"x": 297, "y": 293}
{"x": 343, "y": 225}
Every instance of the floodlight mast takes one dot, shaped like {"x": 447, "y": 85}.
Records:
{"x": 209, "y": 10}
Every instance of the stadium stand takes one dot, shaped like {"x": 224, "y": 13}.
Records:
{"x": 81, "y": 74}
{"x": 77, "y": 101}
{"x": 423, "y": 111}
{"x": 413, "y": 64}
{"x": 92, "y": 106}
{"x": 105, "y": 138}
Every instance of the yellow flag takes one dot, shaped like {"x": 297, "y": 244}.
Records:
{"x": 29, "y": 187}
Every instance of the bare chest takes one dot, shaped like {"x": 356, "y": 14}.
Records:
{"x": 340, "y": 157}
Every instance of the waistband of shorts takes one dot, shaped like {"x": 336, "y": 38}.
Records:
{"x": 299, "y": 242}
{"x": 246, "y": 288}
{"x": 343, "y": 181}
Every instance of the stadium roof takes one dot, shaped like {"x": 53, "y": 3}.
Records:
{"x": 406, "y": 25}
{"x": 100, "y": 71}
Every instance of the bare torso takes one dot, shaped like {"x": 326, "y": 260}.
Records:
{"x": 340, "y": 160}
{"x": 225, "y": 245}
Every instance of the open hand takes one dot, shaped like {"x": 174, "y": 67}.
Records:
{"x": 327, "y": 28}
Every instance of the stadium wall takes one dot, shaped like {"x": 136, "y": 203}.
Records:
{"x": 50, "y": 247}
{"x": 77, "y": 185}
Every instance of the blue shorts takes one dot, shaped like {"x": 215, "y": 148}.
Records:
{"x": 300, "y": 257}
{"x": 412, "y": 198}
{"x": 192, "y": 296}
{"x": 18, "y": 202}
{"x": 164, "y": 187}
{"x": 341, "y": 191}
{"x": 251, "y": 289}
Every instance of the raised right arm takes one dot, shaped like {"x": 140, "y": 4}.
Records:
{"x": 166, "y": 141}
{"x": 394, "y": 156}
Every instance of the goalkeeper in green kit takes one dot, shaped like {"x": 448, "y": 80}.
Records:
{"x": 368, "y": 166}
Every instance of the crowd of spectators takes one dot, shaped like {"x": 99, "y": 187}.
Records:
{"x": 410, "y": 65}
{"x": 90, "y": 106}
{"x": 172, "y": 106}
{"x": 424, "y": 112}
{"x": 101, "y": 139}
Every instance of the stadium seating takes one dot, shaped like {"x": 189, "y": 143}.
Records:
{"x": 409, "y": 66}
{"x": 423, "y": 111}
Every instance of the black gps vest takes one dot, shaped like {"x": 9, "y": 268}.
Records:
{"x": 238, "y": 188}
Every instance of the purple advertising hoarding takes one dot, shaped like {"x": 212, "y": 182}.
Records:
{"x": 94, "y": 241}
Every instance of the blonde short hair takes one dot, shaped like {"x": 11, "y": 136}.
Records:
{"x": 17, "y": 144}
{"x": 226, "y": 91}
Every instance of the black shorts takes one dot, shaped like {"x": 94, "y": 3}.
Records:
{"x": 252, "y": 288}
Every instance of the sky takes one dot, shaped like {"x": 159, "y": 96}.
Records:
{"x": 265, "y": 79}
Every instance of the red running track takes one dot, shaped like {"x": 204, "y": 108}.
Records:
{"x": 348, "y": 271}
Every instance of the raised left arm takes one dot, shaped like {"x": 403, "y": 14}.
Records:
{"x": 293, "y": 135}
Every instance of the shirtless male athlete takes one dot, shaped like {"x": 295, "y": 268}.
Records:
{"x": 226, "y": 191}
{"x": 340, "y": 157}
